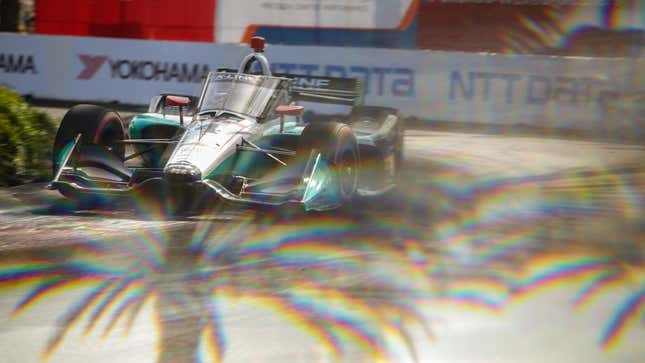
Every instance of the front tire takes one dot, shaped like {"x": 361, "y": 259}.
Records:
{"x": 98, "y": 126}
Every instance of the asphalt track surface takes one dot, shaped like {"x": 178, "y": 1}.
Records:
{"x": 493, "y": 249}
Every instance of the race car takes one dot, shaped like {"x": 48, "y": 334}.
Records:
{"x": 242, "y": 140}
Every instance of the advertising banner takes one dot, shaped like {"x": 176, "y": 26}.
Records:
{"x": 104, "y": 69}
{"x": 529, "y": 90}
{"x": 540, "y": 91}
{"x": 237, "y": 20}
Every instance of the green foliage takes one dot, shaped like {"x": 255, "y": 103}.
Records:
{"x": 26, "y": 138}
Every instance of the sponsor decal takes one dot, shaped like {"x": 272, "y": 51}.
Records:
{"x": 158, "y": 71}
{"x": 146, "y": 70}
{"x": 377, "y": 81}
{"x": 530, "y": 89}
{"x": 305, "y": 82}
{"x": 17, "y": 63}
{"x": 246, "y": 78}
{"x": 92, "y": 64}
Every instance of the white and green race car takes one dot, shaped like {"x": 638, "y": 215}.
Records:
{"x": 243, "y": 140}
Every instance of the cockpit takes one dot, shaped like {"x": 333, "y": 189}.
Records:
{"x": 250, "y": 95}
{"x": 245, "y": 92}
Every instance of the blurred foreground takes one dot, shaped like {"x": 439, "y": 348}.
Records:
{"x": 507, "y": 249}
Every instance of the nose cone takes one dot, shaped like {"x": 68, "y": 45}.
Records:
{"x": 182, "y": 172}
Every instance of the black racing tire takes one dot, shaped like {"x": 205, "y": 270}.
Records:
{"x": 338, "y": 145}
{"x": 98, "y": 126}
{"x": 379, "y": 114}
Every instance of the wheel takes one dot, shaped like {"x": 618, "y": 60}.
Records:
{"x": 98, "y": 126}
{"x": 373, "y": 117}
{"x": 338, "y": 145}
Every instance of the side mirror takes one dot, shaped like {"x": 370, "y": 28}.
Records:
{"x": 291, "y": 110}
{"x": 179, "y": 101}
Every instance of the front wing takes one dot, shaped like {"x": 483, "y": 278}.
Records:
{"x": 314, "y": 187}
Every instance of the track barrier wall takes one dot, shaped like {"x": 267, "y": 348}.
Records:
{"x": 541, "y": 91}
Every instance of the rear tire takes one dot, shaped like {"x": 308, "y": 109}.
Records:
{"x": 378, "y": 115}
{"x": 338, "y": 145}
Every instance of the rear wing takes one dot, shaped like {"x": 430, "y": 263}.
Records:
{"x": 344, "y": 91}
{"x": 334, "y": 90}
